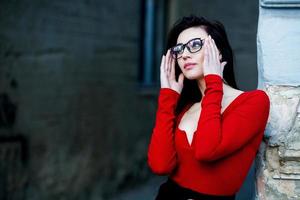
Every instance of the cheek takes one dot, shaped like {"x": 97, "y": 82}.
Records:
{"x": 180, "y": 64}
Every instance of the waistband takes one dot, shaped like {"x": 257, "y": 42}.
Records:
{"x": 171, "y": 190}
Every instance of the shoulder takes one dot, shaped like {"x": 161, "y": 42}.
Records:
{"x": 258, "y": 96}
{"x": 257, "y": 101}
{"x": 254, "y": 104}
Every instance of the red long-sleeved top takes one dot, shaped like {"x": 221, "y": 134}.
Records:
{"x": 223, "y": 146}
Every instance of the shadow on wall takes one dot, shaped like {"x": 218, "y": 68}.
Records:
{"x": 13, "y": 160}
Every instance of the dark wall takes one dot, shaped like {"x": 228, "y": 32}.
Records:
{"x": 71, "y": 70}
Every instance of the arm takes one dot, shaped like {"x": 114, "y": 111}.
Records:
{"x": 161, "y": 152}
{"x": 217, "y": 137}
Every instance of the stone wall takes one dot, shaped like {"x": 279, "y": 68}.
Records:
{"x": 279, "y": 168}
{"x": 278, "y": 176}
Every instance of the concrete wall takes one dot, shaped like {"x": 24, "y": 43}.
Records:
{"x": 278, "y": 176}
{"x": 71, "y": 70}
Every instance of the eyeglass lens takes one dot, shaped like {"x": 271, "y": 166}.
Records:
{"x": 193, "y": 46}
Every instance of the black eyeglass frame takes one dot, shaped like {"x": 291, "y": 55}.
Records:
{"x": 185, "y": 45}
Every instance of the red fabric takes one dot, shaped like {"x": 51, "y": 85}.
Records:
{"x": 223, "y": 147}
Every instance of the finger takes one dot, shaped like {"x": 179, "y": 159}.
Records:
{"x": 209, "y": 50}
{"x": 212, "y": 49}
{"x": 165, "y": 65}
{"x": 162, "y": 64}
{"x": 172, "y": 69}
{"x": 216, "y": 50}
{"x": 220, "y": 56}
{"x": 171, "y": 62}
{"x": 168, "y": 62}
{"x": 162, "y": 68}
{"x": 206, "y": 50}
{"x": 223, "y": 65}
{"x": 181, "y": 79}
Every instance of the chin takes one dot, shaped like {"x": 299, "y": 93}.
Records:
{"x": 193, "y": 76}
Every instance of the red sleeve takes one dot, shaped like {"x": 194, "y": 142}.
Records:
{"x": 217, "y": 137}
{"x": 161, "y": 151}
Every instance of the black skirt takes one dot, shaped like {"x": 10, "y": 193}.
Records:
{"x": 172, "y": 191}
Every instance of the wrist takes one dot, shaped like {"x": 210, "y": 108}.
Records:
{"x": 169, "y": 90}
{"x": 212, "y": 76}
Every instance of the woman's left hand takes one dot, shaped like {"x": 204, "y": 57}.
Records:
{"x": 212, "y": 59}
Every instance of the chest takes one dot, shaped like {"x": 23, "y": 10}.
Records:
{"x": 189, "y": 121}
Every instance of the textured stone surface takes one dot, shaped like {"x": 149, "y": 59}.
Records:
{"x": 276, "y": 180}
{"x": 279, "y": 166}
{"x": 282, "y": 123}
{"x": 278, "y": 174}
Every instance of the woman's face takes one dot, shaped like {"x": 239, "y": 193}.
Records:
{"x": 191, "y": 64}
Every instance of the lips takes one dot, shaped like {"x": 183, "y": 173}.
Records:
{"x": 188, "y": 65}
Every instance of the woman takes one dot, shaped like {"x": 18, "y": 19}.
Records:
{"x": 207, "y": 132}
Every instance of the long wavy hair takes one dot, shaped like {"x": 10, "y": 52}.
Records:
{"x": 190, "y": 92}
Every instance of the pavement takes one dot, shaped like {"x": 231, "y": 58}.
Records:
{"x": 147, "y": 191}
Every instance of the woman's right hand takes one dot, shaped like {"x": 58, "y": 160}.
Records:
{"x": 167, "y": 74}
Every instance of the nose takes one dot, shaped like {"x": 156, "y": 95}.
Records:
{"x": 186, "y": 54}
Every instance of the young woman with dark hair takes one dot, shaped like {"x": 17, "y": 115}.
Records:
{"x": 207, "y": 131}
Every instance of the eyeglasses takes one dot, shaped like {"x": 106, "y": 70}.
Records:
{"x": 193, "y": 46}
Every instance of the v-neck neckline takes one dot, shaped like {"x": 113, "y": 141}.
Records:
{"x": 229, "y": 107}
